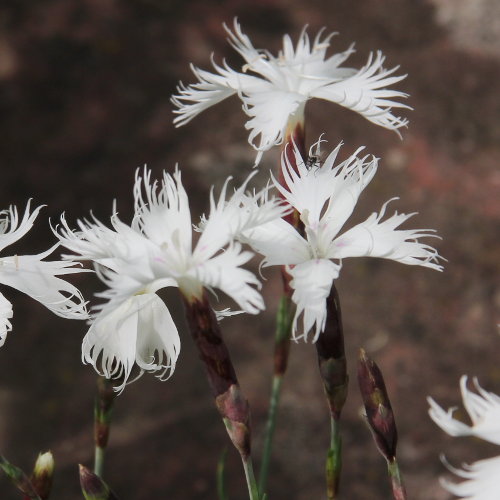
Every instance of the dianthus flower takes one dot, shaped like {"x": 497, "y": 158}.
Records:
{"x": 157, "y": 251}
{"x": 274, "y": 89}
{"x": 34, "y": 276}
{"x": 325, "y": 195}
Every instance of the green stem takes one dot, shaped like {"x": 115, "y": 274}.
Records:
{"x": 333, "y": 460}
{"x": 253, "y": 490}
{"x": 398, "y": 489}
{"x": 269, "y": 433}
{"x": 221, "y": 477}
{"x": 103, "y": 409}
{"x": 98, "y": 461}
{"x": 281, "y": 350}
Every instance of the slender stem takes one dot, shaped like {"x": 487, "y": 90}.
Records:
{"x": 333, "y": 460}
{"x": 221, "y": 477}
{"x": 398, "y": 489}
{"x": 281, "y": 350}
{"x": 103, "y": 410}
{"x": 253, "y": 490}
{"x": 269, "y": 433}
{"x": 98, "y": 460}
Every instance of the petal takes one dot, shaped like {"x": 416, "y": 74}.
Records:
{"x": 164, "y": 217}
{"x": 5, "y": 315}
{"x": 224, "y": 272}
{"x": 445, "y": 420}
{"x": 278, "y": 242}
{"x": 365, "y": 92}
{"x": 326, "y": 192}
{"x": 16, "y": 228}
{"x": 158, "y": 342}
{"x": 229, "y": 220}
{"x": 139, "y": 329}
{"x": 270, "y": 111}
{"x": 483, "y": 409}
{"x": 38, "y": 279}
{"x": 311, "y": 285}
{"x": 374, "y": 238}
{"x": 121, "y": 248}
{"x": 481, "y": 480}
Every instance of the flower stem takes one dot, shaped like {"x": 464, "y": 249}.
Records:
{"x": 333, "y": 371}
{"x": 98, "y": 460}
{"x": 253, "y": 490}
{"x": 269, "y": 433}
{"x": 398, "y": 489}
{"x": 333, "y": 460}
{"x": 281, "y": 350}
{"x": 221, "y": 477}
{"x": 102, "y": 421}
{"x": 229, "y": 399}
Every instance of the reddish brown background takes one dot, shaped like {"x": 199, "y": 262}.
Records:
{"x": 84, "y": 101}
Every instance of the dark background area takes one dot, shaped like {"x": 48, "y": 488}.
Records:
{"x": 84, "y": 101}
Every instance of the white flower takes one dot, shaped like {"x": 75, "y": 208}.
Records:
{"x": 279, "y": 87}
{"x": 156, "y": 251}
{"x": 484, "y": 411}
{"x": 32, "y": 275}
{"x": 325, "y": 197}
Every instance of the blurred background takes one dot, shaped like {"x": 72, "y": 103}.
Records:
{"x": 84, "y": 101}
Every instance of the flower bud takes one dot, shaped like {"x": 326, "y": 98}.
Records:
{"x": 43, "y": 473}
{"x": 331, "y": 356}
{"x": 93, "y": 487}
{"x": 377, "y": 406}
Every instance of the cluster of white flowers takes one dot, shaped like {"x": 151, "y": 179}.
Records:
{"x": 157, "y": 251}
{"x": 133, "y": 326}
{"x": 481, "y": 478}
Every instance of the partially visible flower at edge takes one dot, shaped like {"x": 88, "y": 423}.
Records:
{"x": 34, "y": 276}
{"x": 273, "y": 89}
{"x": 156, "y": 251}
{"x": 484, "y": 410}
{"x": 325, "y": 195}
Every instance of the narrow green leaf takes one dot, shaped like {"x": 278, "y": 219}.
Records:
{"x": 19, "y": 478}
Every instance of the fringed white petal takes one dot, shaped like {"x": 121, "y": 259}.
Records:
{"x": 229, "y": 219}
{"x": 483, "y": 409}
{"x": 120, "y": 248}
{"x": 311, "y": 283}
{"x": 366, "y": 93}
{"x": 163, "y": 217}
{"x": 269, "y": 112}
{"x": 5, "y": 317}
{"x": 376, "y": 238}
{"x": 327, "y": 193}
{"x": 38, "y": 279}
{"x": 224, "y": 272}
{"x": 278, "y": 242}
{"x": 11, "y": 228}
{"x": 445, "y": 420}
{"x": 481, "y": 480}
{"x": 210, "y": 89}
{"x": 139, "y": 330}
